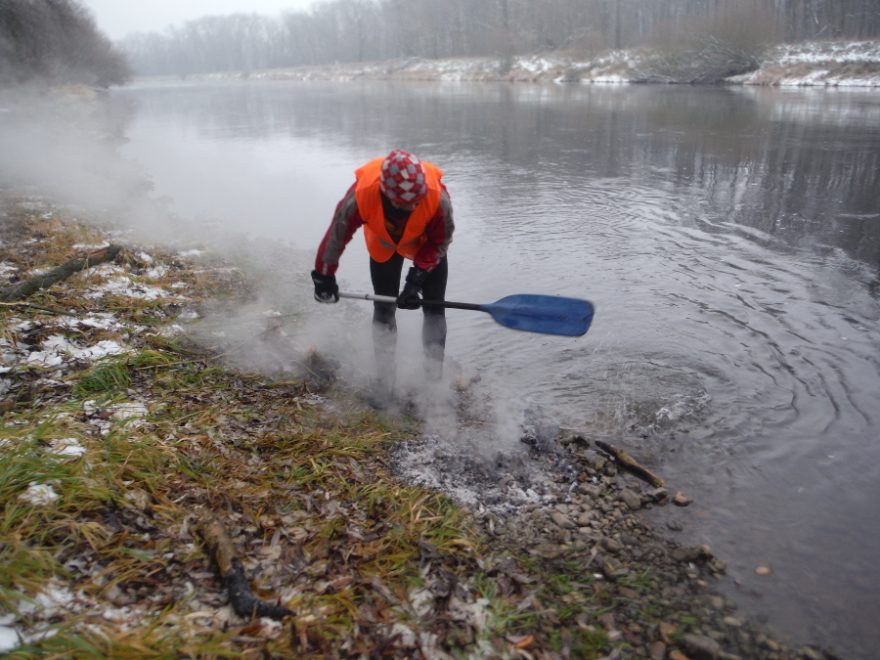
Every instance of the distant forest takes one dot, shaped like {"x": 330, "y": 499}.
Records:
{"x": 343, "y": 31}
{"x": 55, "y": 41}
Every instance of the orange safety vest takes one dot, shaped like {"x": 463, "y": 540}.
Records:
{"x": 369, "y": 202}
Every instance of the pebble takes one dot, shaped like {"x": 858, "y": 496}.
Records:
{"x": 681, "y": 499}
{"x": 667, "y": 631}
{"x": 632, "y": 499}
{"x": 613, "y": 568}
{"x": 701, "y": 647}
{"x": 607, "y": 621}
{"x": 658, "y": 651}
{"x": 629, "y": 539}
{"x": 562, "y": 520}
{"x": 763, "y": 571}
{"x": 611, "y": 545}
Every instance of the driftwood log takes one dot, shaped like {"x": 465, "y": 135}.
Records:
{"x": 629, "y": 463}
{"x": 232, "y": 574}
{"x": 34, "y": 284}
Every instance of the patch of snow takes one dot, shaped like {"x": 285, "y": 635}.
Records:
{"x": 172, "y": 330}
{"x": 537, "y": 64}
{"x": 108, "y": 270}
{"x": 91, "y": 247}
{"x": 123, "y": 286}
{"x": 9, "y": 639}
{"x": 156, "y": 272}
{"x": 146, "y": 258}
{"x": 610, "y": 79}
{"x": 99, "y": 321}
{"x": 179, "y": 285}
{"x": 831, "y": 51}
{"x": 191, "y": 253}
{"x": 45, "y": 359}
{"x": 67, "y": 447}
{"x": 56, "y": 348}
{"x": 53, "y": 597}
{"x": 38, "y": 495}
{"x": 6, "y": 268}
{"x": 131, "y": 413}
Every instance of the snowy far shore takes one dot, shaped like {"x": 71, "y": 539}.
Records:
{"x": 815, "y": 63}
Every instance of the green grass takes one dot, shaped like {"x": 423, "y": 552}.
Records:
{"x": 104, "y": 379}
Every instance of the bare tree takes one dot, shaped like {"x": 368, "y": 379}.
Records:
{"x": 358, "y": 30}
{"x": 55, "y": 40}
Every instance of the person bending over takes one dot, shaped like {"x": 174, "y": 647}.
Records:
{"x": 406, "y": 213}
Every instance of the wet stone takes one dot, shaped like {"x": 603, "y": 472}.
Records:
{"x": 700, "y": 647}
{"x": 632, "y": 499}
{"x": 562, "y": 520}
{"x": 717, "y": 602}
{"x": 681, "y": 499}
{"x": 611, "y": 545}
{"x": 657, "y": 651}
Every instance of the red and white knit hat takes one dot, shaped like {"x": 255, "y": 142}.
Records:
{"x": 403, "y": 179}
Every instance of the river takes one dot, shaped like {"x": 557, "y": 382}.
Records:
{"x": 729, "y": 238}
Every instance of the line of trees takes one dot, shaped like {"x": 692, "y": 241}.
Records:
{"x": 364, "y": 30}
{"x": 55, "y": 41}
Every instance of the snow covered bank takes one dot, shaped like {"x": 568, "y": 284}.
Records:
{"x": 823, "y": 63}
{"x": 829, "y": 64}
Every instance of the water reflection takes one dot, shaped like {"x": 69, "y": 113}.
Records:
{"x": 802, "y": 167}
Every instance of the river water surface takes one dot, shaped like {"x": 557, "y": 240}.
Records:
{"x": 729, "y": 238}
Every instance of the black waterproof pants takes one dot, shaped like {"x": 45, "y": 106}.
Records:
{"x": 386, "y": 282}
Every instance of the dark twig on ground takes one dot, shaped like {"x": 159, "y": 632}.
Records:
{"x": 220, "y": 549}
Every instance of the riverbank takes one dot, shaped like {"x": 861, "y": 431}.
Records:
{"x": 126, "y": 435}
{"x": 813, "y": 64}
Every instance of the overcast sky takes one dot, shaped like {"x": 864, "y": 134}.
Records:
{"x": 116, "y": 18}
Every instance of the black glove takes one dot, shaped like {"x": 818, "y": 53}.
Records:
{"x": 326, "y": 290}
{"x": 409, "y": 297}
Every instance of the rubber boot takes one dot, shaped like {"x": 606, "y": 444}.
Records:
{"x": 434, "y": 344}
{"x": 381, "y": 393}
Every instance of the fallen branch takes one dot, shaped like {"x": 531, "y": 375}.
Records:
{"x": 628, "y": 462}
{"x": 40, "y": 307}
{"x": 31, "y": 286}
{"x": 221, "y": 550}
